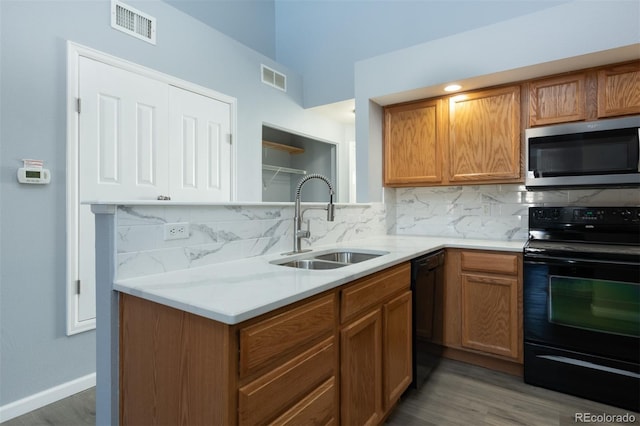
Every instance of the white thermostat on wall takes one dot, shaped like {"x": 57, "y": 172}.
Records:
{"x": 33, "y": 173}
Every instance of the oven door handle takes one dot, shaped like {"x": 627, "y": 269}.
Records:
{"x": 591, "y": 365}
{"x": 538, "y": 258}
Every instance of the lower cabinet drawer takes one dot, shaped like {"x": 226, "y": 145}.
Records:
{"x": 269, "y": 340}
{"x": 499, "y": 263}
{"x": 318, "y": 408}
{"x": 373, "y": 290}
{"x": 264, "y": 399}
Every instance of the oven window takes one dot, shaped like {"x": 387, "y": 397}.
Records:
{"x": 597, "y": 305}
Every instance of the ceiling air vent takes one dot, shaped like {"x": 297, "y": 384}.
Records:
{"x": 133, "y": 22}
{"x": 274, "y": 78}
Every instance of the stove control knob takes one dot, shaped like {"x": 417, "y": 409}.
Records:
{"x": 626, "y": 214}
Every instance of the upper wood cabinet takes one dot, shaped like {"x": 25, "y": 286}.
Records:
{"x": 586, "y": 95}
{"x": 557, "y": 100}
{"x": 413, "y": 148}
{"x": 484, "y": 136}
{"x": 467, "y": 138}
{"x": 619, "y": 90}
{"x": 476, "y": 137}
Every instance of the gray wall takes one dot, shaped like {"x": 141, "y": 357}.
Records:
{"x": 323, "y": 39}
{"x": 251, "y": 22}
{"x": 35, "y": 353}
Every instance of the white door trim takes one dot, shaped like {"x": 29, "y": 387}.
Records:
{"x": 74, "y": 52}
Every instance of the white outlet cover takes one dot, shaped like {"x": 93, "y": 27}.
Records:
{"x": 176, "y": 231}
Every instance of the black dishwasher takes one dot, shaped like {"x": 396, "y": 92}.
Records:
{"x": 427, "y": 285}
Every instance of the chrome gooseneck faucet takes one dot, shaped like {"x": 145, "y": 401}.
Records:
{"x": 298, "y": 233}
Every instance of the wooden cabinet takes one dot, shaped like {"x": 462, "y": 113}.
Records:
{"x": 476, "y": 138}
{"x": 586, "y": 95}
{"x": 284, "y": 376}
{"x": 176, "y": 368}
{"x": 361, "y": 377}
{"x": 619, "y": 90}
{"x": 376, "y": 351}
{"x": 263, "y": 343}
{"x": 490, "y": 314}
{"x": 414, "y": 142}
{"x": 470, "y": 138}
{"x": 397, "y": 348}
{"x": 557, "y": 99}
{"x": 483, "y": 303}
{"x": 484, "y": 136}
{"x": 341, "y": 357}
{"x": 293, "y": 384}
{"x": 180, "y": 368}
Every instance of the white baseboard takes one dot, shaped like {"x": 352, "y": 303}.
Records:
{"x": 46, "y": 397}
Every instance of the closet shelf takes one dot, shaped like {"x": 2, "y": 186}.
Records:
{"x": 288, "y": 148}
{"x": 279, "y": 169}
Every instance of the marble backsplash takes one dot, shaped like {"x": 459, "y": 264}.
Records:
{"x": 223, "y": 233}
{"x": 494, "y": 212}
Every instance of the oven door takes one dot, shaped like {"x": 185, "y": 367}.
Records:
{"x": 583, "y": 306}
{"x": 581, "y": 328}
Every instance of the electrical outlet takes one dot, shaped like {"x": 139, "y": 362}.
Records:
{"x": 176, "y": 231}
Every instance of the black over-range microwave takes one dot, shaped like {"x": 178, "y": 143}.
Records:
{"x": 589, "y": 154}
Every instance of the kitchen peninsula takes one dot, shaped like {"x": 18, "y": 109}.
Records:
{"x": 250, "y": 304}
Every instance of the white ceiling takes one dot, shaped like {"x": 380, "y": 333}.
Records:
{"x": 342, "y": 112}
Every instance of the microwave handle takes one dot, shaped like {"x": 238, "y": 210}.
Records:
{"x": 638, "y": 149}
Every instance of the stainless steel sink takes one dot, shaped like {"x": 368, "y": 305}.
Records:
{"x": 312, "y": 264}
{"x": 330, "y": 259}
{"x": 347, "y": 256}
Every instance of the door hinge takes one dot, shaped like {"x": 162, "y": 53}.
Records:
{"x": 78, "y": 103}
{"x": 230, "y": 139}
{"x": 77, "y": 286}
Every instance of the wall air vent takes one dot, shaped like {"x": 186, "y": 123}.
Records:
{"x": 133, "y": 22}
{"x": 274, "y": 78}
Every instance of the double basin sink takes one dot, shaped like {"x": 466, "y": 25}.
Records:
{"x": 331, "y": 259}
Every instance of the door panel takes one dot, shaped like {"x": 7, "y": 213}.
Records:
{"x": 361, "y": 371}
{"x": 107, "y": 140}
{"x": 123, "y": 152}
{"x": 200, "y": 147}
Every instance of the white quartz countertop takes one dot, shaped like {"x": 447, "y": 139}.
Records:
{"x": 232, "y": 292}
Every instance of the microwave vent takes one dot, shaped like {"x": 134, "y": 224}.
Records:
{"x": 133, "y": 22}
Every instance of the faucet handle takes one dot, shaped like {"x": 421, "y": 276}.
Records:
{"x": 304, "y": 233}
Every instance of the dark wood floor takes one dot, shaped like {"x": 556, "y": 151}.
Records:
{"x": 461, "y": 394}
{"x": 456, "y": 394}
{"x": 76, "y": 410}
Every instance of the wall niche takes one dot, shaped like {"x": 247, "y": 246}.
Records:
{"x": 287, "y": 157}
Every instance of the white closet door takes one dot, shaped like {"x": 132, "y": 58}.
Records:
{"x": 199, "y": 147}
{"x": 123, "y": 152}
{"x": 123, "y": 141}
